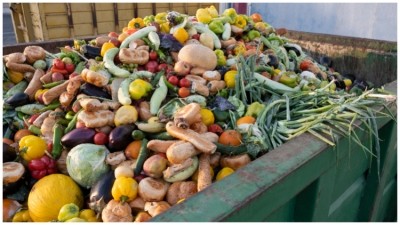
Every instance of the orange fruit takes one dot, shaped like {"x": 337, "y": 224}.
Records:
{"x": 246, "y": 120}
{"x": 256, "y": 17}
{"x": 21, "y": 133}
{"x": 133, "y": 149}
{"x": 230, "y": 137}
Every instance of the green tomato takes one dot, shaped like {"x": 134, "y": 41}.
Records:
{"x": 67, "y": 60}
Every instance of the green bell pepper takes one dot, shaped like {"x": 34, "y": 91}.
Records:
{"x": 252, "y": 34}
{"x": 221, "y": 59}
{"x": 254, "y": 109}
{"x": 216, "y": 26}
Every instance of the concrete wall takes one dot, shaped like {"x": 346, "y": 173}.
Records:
{"x": 365, "y": 20}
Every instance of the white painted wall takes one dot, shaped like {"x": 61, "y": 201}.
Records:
{"x": 364, "y": 20}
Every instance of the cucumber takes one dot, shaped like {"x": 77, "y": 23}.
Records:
{"x": 231, "y": 150}
{"x": 137, "y": 135}
{"x": 143, "y": 155}
{"x": 137, "y": 35}
{"x": 159, "y": 136}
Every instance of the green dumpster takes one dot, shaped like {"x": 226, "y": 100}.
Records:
{"x": 305, "y": 179}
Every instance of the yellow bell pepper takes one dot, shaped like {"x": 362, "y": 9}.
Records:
{"x": 230, "y": 15}
{"x": 139, "y": 88}
{"x": 22, "y": 216}
{"x": 136, "y": 23}
{"x": 161, "y": 18}
{"x": 240, "y": 21}
{"x": 165, "y": 27}
{"x": 32, "y": 147}
{"x": 239, "y": 48}
{"x": 15, "y": 76}
{"x": 230, "y": 78}
{"x": 89, "y": 215}
{"x": 105, "y": 47}
{"x": 212, "y": 11}
{"x": 203, "y": 16}
{"x": 181, "y": 35}
{"x": 207, "y": 116}
{"x": 124, "y": 189}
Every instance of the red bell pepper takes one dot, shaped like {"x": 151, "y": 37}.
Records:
{"x": 42, "y": 167}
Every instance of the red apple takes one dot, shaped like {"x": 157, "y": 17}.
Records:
{"x": 153, "y": 55}
{"x": 58, "y": 64}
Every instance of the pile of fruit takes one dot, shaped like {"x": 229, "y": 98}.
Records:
{"x": 123, "y": 127}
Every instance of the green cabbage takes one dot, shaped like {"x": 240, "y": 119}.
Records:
{"x": 86, "y": 163}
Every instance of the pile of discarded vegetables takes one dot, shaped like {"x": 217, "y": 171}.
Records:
{"x": 125, "y": 126}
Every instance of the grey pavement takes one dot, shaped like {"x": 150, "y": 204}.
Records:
{"x": 8, "y": 29}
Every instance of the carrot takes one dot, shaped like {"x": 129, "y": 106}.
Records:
{"x": 191, "y": 136}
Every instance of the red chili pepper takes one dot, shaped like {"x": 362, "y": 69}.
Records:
{"x": 42, "y": 167}
{"x": 215, "y": 128}
{"x": 54, "y": 70}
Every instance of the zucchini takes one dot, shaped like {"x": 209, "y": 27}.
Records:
{"x": 137, "y": 35}
{"x": 143, "y": 155}
{"x": 231, "y": 150}
{"x": 108, "y": 60}
{"x": 159, "y": 136}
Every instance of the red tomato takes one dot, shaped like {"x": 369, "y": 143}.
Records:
{"x": 58, "y": 64}
{"x": 305, "y": 64}
{"x": 215, "y": 128}
{"x": 100, "y": 138}
{"x": 70, "y": 67}
{"x": 173, "y": 80}
{"x": 184, "y": 83}
{"x": 183, "y": 92}
{"x": 162, "y": 66}
{"x": 153, "y": 55}
{"x": 33, "y": 118}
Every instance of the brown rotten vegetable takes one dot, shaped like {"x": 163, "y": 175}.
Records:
{"x": 35, "y": 84}
{"x": 204, "y": 178}
{"x": 180, "y": 151}
{"x": 116, "y": 211}
{"x": 160, "y": 146}
{"x": 235, "y": 162}
{"x": 151, "y": 189}
{"x": 198, "y": 56}
{"x": 135, "y": 56}
{"x": 191, "y": 136}
{"x": 156, "y": 208}
{"x": 34, "y": 53}
{"x": 16, "y": 62}
{"x": 98, "y": 78}
{"x": 180, "y": 190}
{"x": 187, "y": 115}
